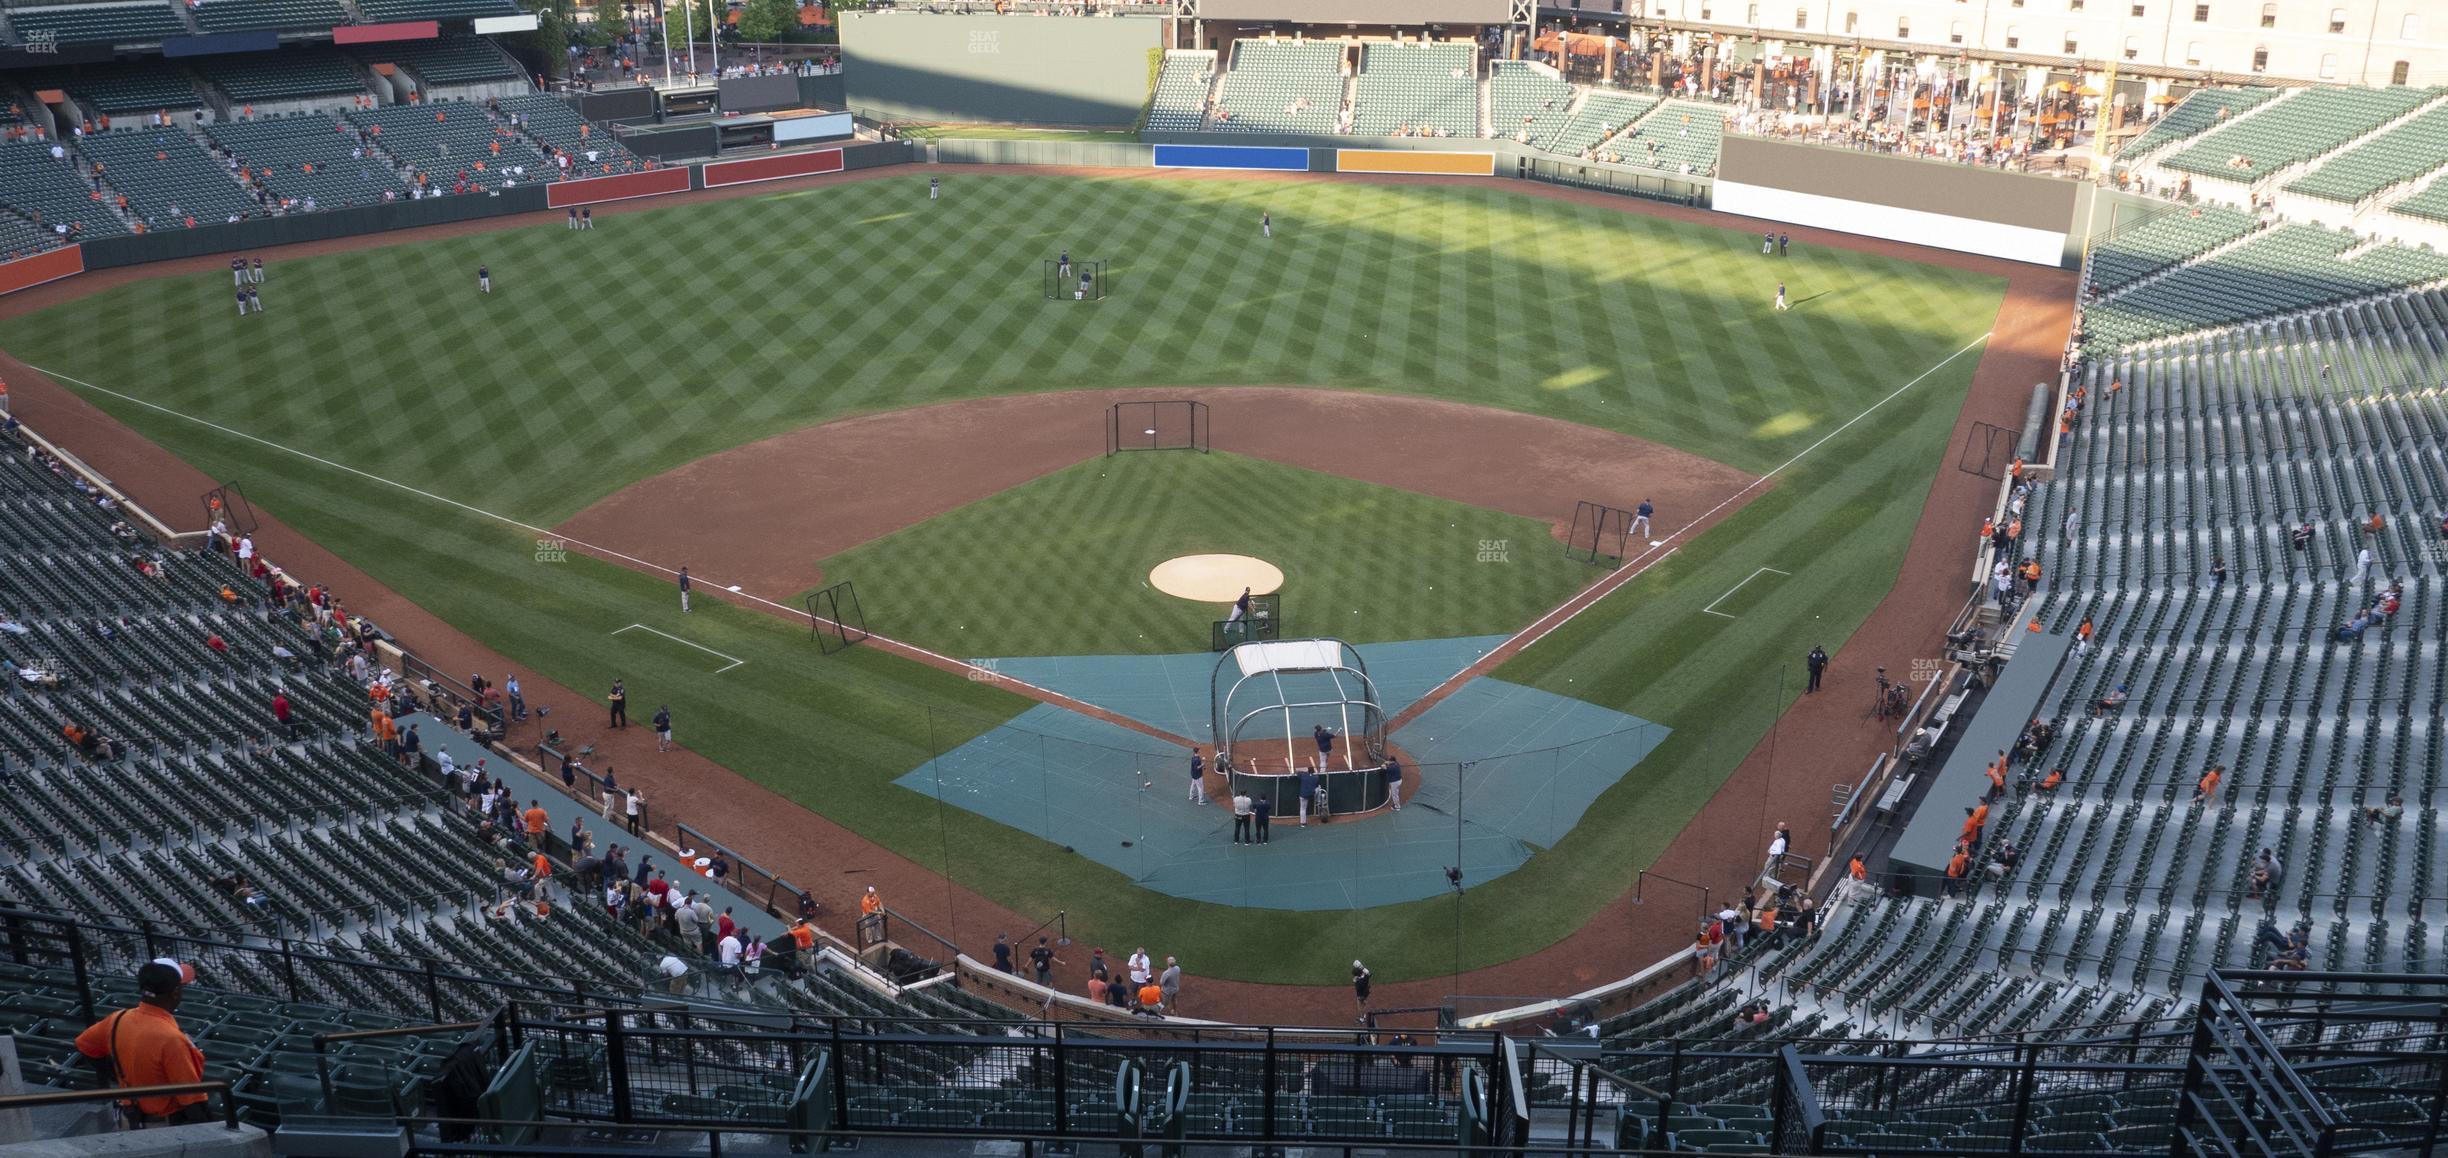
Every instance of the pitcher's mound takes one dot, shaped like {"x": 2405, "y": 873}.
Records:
{"x": 1214, "y": 578}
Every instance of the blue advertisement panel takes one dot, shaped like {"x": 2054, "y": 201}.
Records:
{"x": 1231, "y": 157}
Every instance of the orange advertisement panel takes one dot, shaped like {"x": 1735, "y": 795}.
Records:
{"x": 28, "y": 272}
{"x": 1414, "y": 161}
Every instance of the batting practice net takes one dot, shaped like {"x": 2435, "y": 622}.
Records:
{"x": 1157, "y": 424}
{"x": 1264, "y": 621}
{"x": 835, "y": 618}
{"x": 1068, "y": 281}
{"x": 228, "y": 506}
{"x": 1599, "y": 533}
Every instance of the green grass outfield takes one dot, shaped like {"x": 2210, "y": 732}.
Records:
{"x": 662, "y": 336}
{"x": 1059, "y": 566}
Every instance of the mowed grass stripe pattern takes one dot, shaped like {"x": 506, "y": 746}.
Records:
{"x": 605, "y": 357}
{"x": 1060, "y": 566}
{"x": 668, "y": 334}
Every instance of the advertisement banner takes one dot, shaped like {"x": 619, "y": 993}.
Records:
{"x": 620, "y": 187}
{"x": 28, "y": 272}
{"x": 1414, "y": 161}
{"x": 774, "y": 168}
{"x": 1231, "y": 157}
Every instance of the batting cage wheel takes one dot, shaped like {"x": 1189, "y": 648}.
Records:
{"x": 1067, "y": 281}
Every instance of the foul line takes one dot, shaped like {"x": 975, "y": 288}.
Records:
{"x": 1571, "y": 609}
{"x": 1711, "y": 609}
{"x": 735, "y": 660}
{"x": 1047, "y": 695}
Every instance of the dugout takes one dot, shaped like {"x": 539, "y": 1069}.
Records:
{"x": 1265, "y": 698}
{"x": 744, "y": 132}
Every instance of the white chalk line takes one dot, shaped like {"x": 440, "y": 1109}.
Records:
{"x": 976, "y": 673}
{"x": 1711, "y": 609}
{"x": 735, "y": 660}
{"x": 1566, "y": 612}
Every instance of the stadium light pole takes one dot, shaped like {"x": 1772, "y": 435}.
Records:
{"x": 663, "y": 18}
{"x": 688, "y": 17}
{"x": 714, "y": 37}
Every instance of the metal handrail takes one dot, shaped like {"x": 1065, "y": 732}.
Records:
{"x": 229, "y": 1105}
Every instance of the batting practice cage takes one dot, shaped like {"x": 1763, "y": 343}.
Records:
{"x": 1599, "y": 533}
{"x": 835, "y": 618}
{"x": 1266, "y": 699}
{"x": 1075, "y": 281}
{"x": 1264, "y": 622}
{"x": 228, "y": 506}
{"x": 1157, "y": 424}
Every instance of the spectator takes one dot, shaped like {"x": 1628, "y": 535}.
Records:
{"x": 2112, "y": 702}
{"x": 2379, "y": 817}
{"x": 1041, "y": 962}
{"x": 1169, "y": 982}
{"x": 2265, "y": 875}
{"x": 144, "y": 1046}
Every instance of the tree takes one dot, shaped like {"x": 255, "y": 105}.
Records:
{"x": 611, "y": 20}
{"x": 682, "y": 19}
{"x": 765, "y": 21}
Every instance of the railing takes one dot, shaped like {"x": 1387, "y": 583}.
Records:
{"x": 620, "y": 1067}
{"x": 221, "y": 1090}
{"x": 90, "y": 951}
{"x": 753, "y": 882}
{"x": 496, "y": 717}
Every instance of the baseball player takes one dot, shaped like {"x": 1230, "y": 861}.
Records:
{"x": 484, "y": 279}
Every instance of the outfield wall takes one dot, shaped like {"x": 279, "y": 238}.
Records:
{"x": 1452, "y": 156}
{"x": 2016, "y": 216}
{"x": 41, "y": 268}
{"x": 749, "y": 171}
{"x": 984, "y": 68}
{"x": 265, "y": 233}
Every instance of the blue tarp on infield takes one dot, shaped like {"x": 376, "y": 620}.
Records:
{"x": 1531, "y": 761}
{"x": 1505, "y": 770}
{"x": 1169, "y": 692}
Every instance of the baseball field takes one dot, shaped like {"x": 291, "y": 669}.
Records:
{"x": 526, "y": 464}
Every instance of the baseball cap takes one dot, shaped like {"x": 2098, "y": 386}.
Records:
{"x": 162, "y": 975}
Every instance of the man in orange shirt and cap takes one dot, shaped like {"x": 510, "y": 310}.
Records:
{"x": 144, "y": 1046}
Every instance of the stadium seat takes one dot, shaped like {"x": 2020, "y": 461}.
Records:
{"x": 1179, "y": 104}
{"x": 1416, "y": 89}
{"x": 1282, "y": 86}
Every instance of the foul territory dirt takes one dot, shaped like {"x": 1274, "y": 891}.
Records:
{"x": 1824, "y": 740}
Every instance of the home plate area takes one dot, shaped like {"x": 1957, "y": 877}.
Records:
{"x": 1499, "y": 771}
